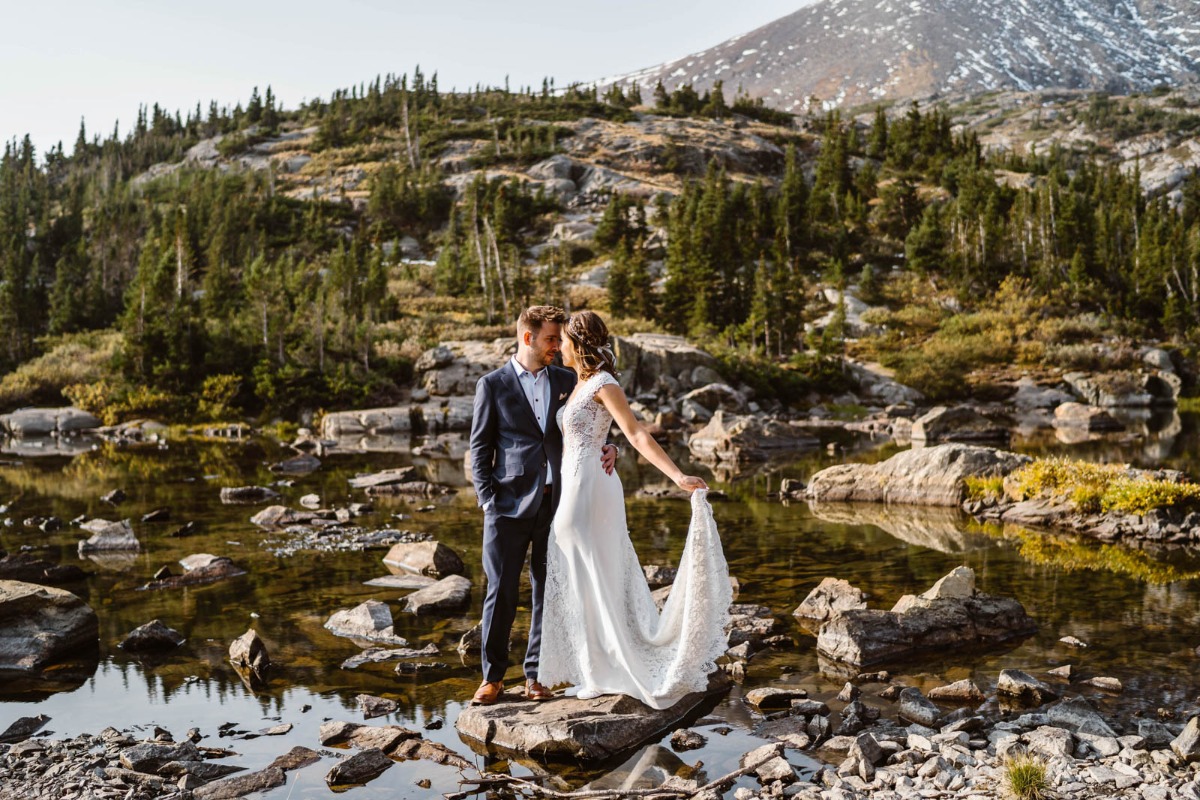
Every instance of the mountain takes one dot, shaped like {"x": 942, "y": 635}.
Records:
{"x": 850, "y": 52}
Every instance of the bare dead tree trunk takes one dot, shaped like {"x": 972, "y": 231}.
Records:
{"x": 499, "y": 266}
{"x": 483, "y": 266}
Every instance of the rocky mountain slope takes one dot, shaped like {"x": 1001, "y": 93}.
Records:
{"x": 850, "y": 52}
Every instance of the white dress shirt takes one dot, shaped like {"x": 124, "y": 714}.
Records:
{"x": 536, "y": 386}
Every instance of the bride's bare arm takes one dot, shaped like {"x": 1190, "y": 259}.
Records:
{"x": 612, "y": 398}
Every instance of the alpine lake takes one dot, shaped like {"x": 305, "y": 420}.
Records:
{"x": 1137, "y": 609}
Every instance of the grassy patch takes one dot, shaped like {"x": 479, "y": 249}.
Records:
{"x": 984, "y": 488}
{"x": 1101, "y": 487}
{"x": 1025, "y": 778}
{"x": 1189, "y": 405}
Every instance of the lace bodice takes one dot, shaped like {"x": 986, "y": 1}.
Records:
{"x": 584, "y": 422}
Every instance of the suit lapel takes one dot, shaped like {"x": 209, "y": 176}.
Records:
{"x": 509, "y": 376}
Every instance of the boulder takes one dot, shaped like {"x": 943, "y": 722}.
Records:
{"x": 241, "y": 785}
{"x": 370, "y": 621}
{"x": 958, "y": 424}
{"x": 152, "y": 756}
{"x": 40, "y": 625}
{"x": 831, "y": 597}
{"x": 877, "y": 383}
{"x": 648, "y": 361}
{"x": 451, "y": 592}
{"x": 917, "y": 625}
{"x": 1050, "y": 742}
{"x": 964, "y": 691}
{"x": 1086, "y": 418}
{"x": 32, "y": 422}
{"x": 359, "y": 768}
{"x": 916, "y": 707}
{"x": 774, "y": 697}
{"x": 1030, "y": 396}
{"x": 1187, "y": 744}
{"x": 730, "y": 437}
{"x": 23, "y": 728}
{"x": 1078, "y": 715}
{"x": 383, "y": 478}
{"x": 248, "y": 652}
{"x": 108, "y": 536}
{"x": 298, "y": 757}
{"x": 365, "y": 737}
{"x": 714, "y": 396}
{"x": 424, "y": 558}
{"x": 1024, "y": 687}
{"x": 1126, "y": 389}
{"x": 154, "y": 635}
{"x": 248, "y": 495}
{"x": 570, "y": 728}
{"x": 928, "y": 476}
{"x": 372, "y": 706}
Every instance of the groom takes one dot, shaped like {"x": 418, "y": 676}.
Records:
{"x": 516, "y": 461}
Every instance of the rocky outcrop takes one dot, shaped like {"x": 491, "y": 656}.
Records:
{"x": 932, "y": 476}
{"x": 877, "y": 383}
{"x": 569, "y": 728}
{"x": 1126, "y": 389}
{"x": 957, "y": 424}
{"x": 951, "y": 614}
{"x": 33, "y": 422}
{"x": 740, "y": 439}
{"x": 654, "y": 363}
{"x": 40, "y": 625}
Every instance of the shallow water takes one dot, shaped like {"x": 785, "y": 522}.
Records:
{"x": 1138, "y": 610}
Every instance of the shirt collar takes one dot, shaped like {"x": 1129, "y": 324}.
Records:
{"x": 522, "y": 371}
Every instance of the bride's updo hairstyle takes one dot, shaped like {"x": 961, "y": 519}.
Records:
{"x": 589, "y": 336}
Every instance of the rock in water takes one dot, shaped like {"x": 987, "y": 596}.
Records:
{"x": 589, "y": 730}
{"x": 248, "y": 652}
{"x": 108, "y": 536}
{"x": 40, "y": 625}
{"x": 1077, "y": 714}
{"x": 242, "y": 785}
{"x": 915, "y": 707}
{"x": 425, "y": 558}
{"x": 297, "y": 758}
{"x": 729, "y": 437}
{"x": 297, "y": 465}
{"x": 248, "y": 495}
{"x": 154, "y": 635}
{"x": 1086, "y": 418}
{"x": 370, "y": 621}
{"x": 448, "y": 593}
{"x": 772, "y": 697}
{"x": 928, "y": 476}
{"x": 359, "y": 768}
{"x": 945, "y": 616}
{"x": 964, "y": 691}
{"x": 959, "y": 424}
{"x": 1024, "y": 687}
{"x": 372, "y": 706}
{"x": 23, "y": 728}
{"x": 831, "y": 597}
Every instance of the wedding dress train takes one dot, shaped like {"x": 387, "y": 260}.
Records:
{"x": 601, "y": 628}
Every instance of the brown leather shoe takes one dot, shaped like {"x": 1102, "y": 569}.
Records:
{"x": 535, "y": 691}
{"x": 488, "y": 693}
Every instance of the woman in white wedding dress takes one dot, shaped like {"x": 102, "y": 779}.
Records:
{"x": 601, "y": 629}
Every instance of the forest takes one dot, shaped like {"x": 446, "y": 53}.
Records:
{"x": 208, "y": 294}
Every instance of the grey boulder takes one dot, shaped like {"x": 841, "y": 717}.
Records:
{"x": 450, "y": 592}
{"x": 40, "y": 625}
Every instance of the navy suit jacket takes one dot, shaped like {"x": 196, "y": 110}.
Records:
{"x": 509, "y": 451}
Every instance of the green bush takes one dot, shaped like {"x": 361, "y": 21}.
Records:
{"x": 1142, "y": 496}
{"x": 217, "y": 397}
{"x": 1091, "y": 488}
{"x": 984, "y": 488}
{"x": 77, "y": 358}
{"x": 1025, "y": 778}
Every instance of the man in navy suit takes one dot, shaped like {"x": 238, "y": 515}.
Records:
{"x": 516, "y": 459}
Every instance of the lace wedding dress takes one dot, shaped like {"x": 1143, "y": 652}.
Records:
{"x": 602, "y": 631}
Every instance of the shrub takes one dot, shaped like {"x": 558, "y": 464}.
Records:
{"x": 80, "y": 358}
{"x": 217, "y": 397}
{"x": 1142, "y": 496}
{"x": 984, "y": 488}
{"x": 1101, "y": 487}
{"x": 114, "y": 403}
{"x": 1025, "y": 778}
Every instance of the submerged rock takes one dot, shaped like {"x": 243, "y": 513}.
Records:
{"x": 943, "y": 617}
{"x": 199, "y": 569}
{"x": 242, "y": 785}
{"x": 24, "y": 567}
{"x": 40, "y": 625}
{"x": 23, "y": 728}
{"x": 248, "y": 652}
{"x": 297, "y": 465}
{"x": 248, "y": 495}
{"x": 359, "y": 768}
{"x": 576, "y": 729}
{"x": 31, "y": 422}
{"x": 932, "y": 476}
{"x": 154, "y": 635}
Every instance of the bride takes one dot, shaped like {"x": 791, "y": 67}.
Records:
{"x": 603, "y": 632}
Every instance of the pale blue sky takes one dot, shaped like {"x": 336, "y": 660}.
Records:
{"x": 99, "y": 60}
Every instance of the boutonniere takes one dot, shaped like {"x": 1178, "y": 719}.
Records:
{"x": 563, "y": 396}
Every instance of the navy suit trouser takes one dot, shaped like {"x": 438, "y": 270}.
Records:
{"x": 505, "y": 544}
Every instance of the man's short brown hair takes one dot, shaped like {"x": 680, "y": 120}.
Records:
{"x": 532, "y": 318}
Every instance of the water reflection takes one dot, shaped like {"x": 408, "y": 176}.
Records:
{"x": 1137, "y": 609}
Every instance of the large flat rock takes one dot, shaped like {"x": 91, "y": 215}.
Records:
{"x": 927, "y": 476}
{"x": 569, "y": 728}
{"x": 40, "y": 625}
